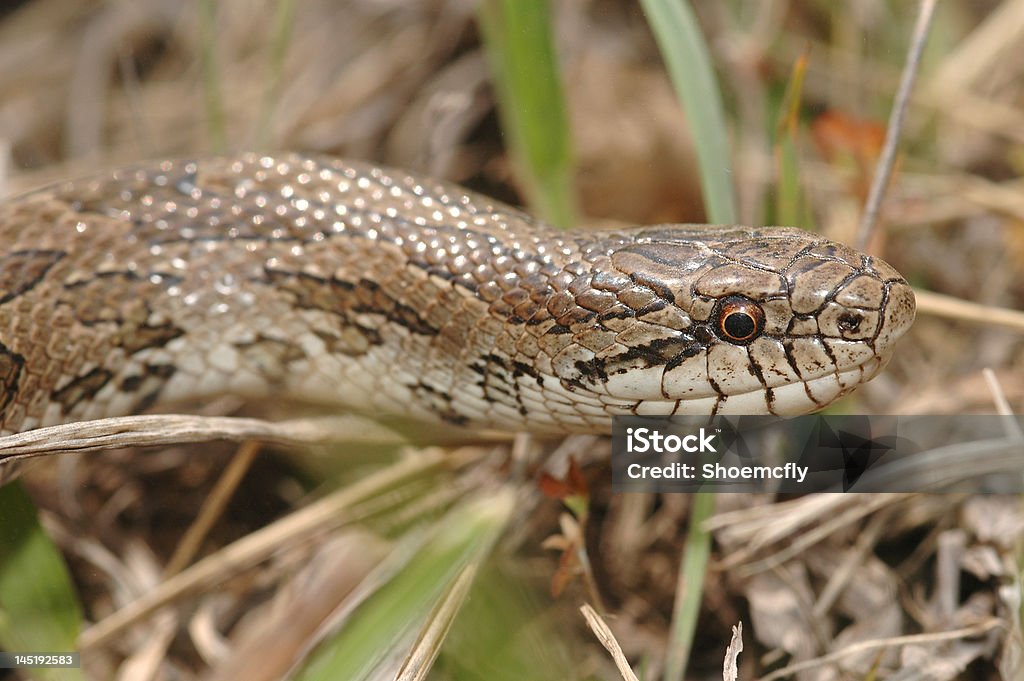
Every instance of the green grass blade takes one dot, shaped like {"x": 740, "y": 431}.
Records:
{"x": 284, "y": 22}
{"x": 792, "y": 208}
{"x": 39, "y": 609}
{"x": 420, "y": 659}
{"x": 689, "y": 65}
{"x": 689, "y": 587}
{"x": 212, "y": 89}
{"x": 688, "y": 61}
{"x": 506, "y": 632}
{"x": 376, "y": 638}
{"x": 517, "y": 38}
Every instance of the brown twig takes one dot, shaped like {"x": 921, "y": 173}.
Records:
{"x": 892, "y": 134}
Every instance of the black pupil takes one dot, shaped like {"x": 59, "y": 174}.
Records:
{"x": 739, "y": 325}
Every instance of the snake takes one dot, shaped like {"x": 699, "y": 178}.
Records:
{"x": 313, "y": 279}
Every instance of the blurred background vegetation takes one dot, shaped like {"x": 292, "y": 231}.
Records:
{"x": 569, "y": 108}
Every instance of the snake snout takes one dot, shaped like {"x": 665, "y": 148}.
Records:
{"x": 868, "y": 309}
{"x": 898, "y": 313}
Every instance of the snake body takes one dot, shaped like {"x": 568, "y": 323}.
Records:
{"x": 349, "y": 284}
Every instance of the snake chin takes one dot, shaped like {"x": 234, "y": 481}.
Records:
{"x": 809, "y": 395}
{"x": 814, "y": 394}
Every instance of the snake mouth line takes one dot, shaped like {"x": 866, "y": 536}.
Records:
{"x": 820, "y": 391}
{"x": 808, "y": 395}
{"x": 815, "y": 392}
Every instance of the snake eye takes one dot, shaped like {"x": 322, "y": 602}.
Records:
{"x": 739, "y": 320}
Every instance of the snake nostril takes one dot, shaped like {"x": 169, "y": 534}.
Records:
{"x": 849, "y": 322}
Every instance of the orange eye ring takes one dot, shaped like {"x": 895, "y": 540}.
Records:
{"x": 738, "y": 320}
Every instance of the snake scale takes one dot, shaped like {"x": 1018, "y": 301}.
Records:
{"x": 311, "y": 278}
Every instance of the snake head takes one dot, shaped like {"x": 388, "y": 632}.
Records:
{"x": 733, "y": 320}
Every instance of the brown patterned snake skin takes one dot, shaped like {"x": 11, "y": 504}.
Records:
{"x": 376, "y": 290}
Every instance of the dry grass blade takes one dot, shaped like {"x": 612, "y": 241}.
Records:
{"x": 607, "y": 638}
{"x": 945, "y": 469}
{"x": 949, "y": 307}
{"x": 1012, "y": 426}
{"x": 965, "y": 632}
{"x": 1002, "y": 405}
{"x": 730, "y": 668}
{"x": 417, "y": 665}
{"x": 757, "y": 528}
{"x": 951, "y": 468}
{"x": 885, "y": 162}
{"x": 341, "y": 570}
{"x": 1012, "y": 663}
{"x": 330, "y": 512}
{"x": 5, "y": 165}
{"x": 996, "y": 39}
{"x": 169, "y": 429}
{"x": 212, "y": 508}
{"x": 848, "y": 567}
